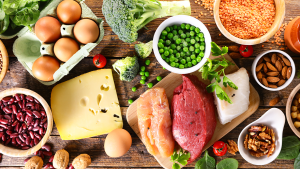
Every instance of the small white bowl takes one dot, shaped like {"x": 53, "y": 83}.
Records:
{"x": 273, "y": 118}
{"x": 254, "y": 64}
{"x": 177, "y": 20}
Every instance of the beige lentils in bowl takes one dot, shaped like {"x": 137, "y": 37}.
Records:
{"x": 247, "y": 19}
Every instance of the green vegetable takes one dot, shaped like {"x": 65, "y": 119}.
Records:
{"x": 130, "y": 101}
{"x": 150, "y": 85}
{"x": 290, "y": 148}
{"x": 228, "y": 163}
{"x": 179, "y": 157}
{"x": 143, "y": 68}
{"x": 143, "y": 77}
{"x": 142, "y": 81}
{"x": 22, "y": 12}
{"x": 127, "y": 68}
{"x": 142, "y": 73}
{"x": 158, "y": 78}
{"x": 297, "y": 162}
{"x": 126, "y": 17}
{"x": 147, "y": 62}
{"x": 143, "y": 49}
{"x": 133, "y": 89}
{"x": 207, "y": 162}
{"x": 209, "y": 72}
{"x": 147, "y": 74}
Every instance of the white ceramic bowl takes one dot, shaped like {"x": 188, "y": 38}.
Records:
{"x": 254, "y": 64}
{"x": 273, "y": 118}
{"x": 177, "y": 20}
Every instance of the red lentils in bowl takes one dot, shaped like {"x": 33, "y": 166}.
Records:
{"x": 247, "y": 19}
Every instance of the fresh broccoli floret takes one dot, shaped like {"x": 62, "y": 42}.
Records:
{"x": 127, "y": 68}
{"x": 144, "y": 49}
{"x": 126, "y": 17}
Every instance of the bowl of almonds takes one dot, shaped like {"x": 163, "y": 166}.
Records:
{"x": 273, "y": 70}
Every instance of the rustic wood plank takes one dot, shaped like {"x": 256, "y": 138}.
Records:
{"x": 138, "y": 155}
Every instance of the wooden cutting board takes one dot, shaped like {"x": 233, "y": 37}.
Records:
{"x": 169, "y": 83}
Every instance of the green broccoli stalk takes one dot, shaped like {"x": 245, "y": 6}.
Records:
{"x": 126, "y": 17}
{"x": 127, "y": 68}
{"x": 144, "y": 49}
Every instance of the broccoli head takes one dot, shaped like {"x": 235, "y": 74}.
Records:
{"x": 127, "y": 68}
{"x": 126, "y": 17}
{"x": 144, "y": 49}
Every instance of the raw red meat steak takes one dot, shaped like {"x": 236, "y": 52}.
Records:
{"x": 193, "y": 114}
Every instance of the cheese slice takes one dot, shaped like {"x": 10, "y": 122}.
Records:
{"x": 86, "y": 106}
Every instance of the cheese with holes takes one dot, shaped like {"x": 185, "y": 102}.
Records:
{"x": 86, "y": 106}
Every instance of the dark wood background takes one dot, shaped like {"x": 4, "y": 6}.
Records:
{"x": 113, "y": 49}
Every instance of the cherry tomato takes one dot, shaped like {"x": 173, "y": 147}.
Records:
{"x": 220, "y": 148}
{"x": 246, "y": 50}
{"x": 99, "y": 61}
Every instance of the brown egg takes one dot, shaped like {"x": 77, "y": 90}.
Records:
{"x": 117, "y": 143}
{"x": 86, "y": 31}
{"x": 68, "y": 11}
{"x": 44, "y": 67}
{"x": 65, "y": 48}
{"x": 47, "y": 29}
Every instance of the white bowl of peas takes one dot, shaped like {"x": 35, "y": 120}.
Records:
{"x": 182, "y": 44}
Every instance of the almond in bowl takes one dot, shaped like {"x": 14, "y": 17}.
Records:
{"x": 273, "y": 70}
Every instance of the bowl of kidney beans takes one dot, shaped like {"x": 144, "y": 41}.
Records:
{"x": 25, "y": 122}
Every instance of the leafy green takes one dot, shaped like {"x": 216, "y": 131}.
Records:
{"x": 228, "y": 163}
{"x": 290, "y": 148}
{"x": 27, "y": 15}
{"x": 180, "y": 157}
{"x": 11, "y": 7}
{"x": 297, "y": 162}
{"x": 207, "y": 162}
{"x": 217, "y": 50}
{"x": 210, "y": 72}
{"x": 4, "y": 19}
{"x": 126, "y": 17}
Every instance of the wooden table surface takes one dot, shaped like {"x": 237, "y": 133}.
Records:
{"x": 113, "y": 49}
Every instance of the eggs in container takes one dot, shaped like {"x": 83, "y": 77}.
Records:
{"x": 65, "y": 48}
{"x": 47, "y": 29}
{"x": 86, "y": 31}
{"x": 117, "y": 143}
{"x": 68, "y": 11}
{"x": 44, "y": 68}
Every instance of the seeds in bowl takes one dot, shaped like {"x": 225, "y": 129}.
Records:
{"x": 247, "y": 19}
{"x": 23, "y": 121}
{"x": 260, "y": 141}
{"x": 273, "y": 70}
{"x": 182, "y": 46}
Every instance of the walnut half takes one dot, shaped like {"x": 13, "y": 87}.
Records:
{"x": 82, "y": 161}
{"x": 232, "y": 147}
{"x": 34, "y": 162}
{"x": 61, "y": 159}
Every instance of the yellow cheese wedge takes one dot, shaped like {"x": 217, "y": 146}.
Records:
{"x": 86, "y": 106}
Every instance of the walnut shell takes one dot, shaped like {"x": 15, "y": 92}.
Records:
{"x": 34, "y": 162}
{"x": 82, "y": 161}
{"x": 61, "y": 159}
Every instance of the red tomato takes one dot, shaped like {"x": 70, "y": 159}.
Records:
{"x": 246, "y": 50}
{"x": 99, "y": 61}
{"x": 220, "y": 148}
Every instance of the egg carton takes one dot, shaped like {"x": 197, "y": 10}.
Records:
{"x": 27, "y": 47}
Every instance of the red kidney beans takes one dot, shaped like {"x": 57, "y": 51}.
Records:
{"x": 71, "y": 166}
{"x": 25, "y": 161}
{"x": 46, "y": 147}
{"x": 23, "y": 121}
{"x": 47, "y": 153}
{"x": 51, "y": 159}
{"x": 47, "y": 165}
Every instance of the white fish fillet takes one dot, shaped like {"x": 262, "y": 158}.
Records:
{"x": 239, "y": 98}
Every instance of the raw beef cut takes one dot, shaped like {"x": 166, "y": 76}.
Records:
{"x": 193, "y": 115}
{"x": 154, "y": 120}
